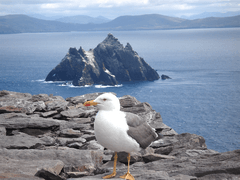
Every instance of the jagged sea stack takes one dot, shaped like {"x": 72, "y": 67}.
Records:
{"x": 109, "y": 63}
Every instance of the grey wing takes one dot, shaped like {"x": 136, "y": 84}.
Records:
{"x": 140, "y": 130}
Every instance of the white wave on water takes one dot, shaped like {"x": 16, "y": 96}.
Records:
{"x": 86, "y": 86}
{"x": 39, "y": 80}
{"x": 69, "y": 84}
{"x": 54, "y": 82}
{"x": 106, "y": 86}
{"x": 51, "y": 82}
{"x": 72, "y": 86}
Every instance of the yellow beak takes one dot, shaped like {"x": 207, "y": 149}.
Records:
{"x": 90, "y": 103}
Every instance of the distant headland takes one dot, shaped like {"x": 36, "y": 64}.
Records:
{"x": 25, "y": 24}
{"x": 108, "y": 64}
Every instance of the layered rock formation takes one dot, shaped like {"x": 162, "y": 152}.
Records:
{"x": 48, "y": 137}
{"x": 109, "y": 63}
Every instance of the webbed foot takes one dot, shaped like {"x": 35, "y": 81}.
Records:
{"x": 110, "y": 175}
{"x": 127, "y": 176}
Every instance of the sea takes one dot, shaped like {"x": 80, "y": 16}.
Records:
{"x": 202, "y": 96}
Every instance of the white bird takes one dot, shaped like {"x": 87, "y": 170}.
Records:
{"x": 120, "y": 131}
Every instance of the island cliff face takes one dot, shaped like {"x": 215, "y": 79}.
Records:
{"x": 109, "y": 63}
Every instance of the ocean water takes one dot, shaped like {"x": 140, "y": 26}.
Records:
{"x": 203, "y": 96}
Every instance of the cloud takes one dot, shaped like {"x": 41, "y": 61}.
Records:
{"x": 174, "y": 7}
{"x": 50, "y": 6}
{"x": 115, "y": 8}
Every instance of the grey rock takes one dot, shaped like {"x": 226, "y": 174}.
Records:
{"x": 184, "y": 177}
{"x": 21, "y": 105}
{"x": 24, "y": 102}
{"x": 220, "y": 176}
{"x": 77, "y": 113}
{"x": 187, "y": 141}
{"x": 69, "y": 156}
{"x": 155, "y": 157}
{"x": 198, "y": 166}
{"x": 9, "y": 95}
{"x": 139, "y": 108}
{"x": 75, "y": 145}
{"x": 164, "y": 77}
{"x": 88, "y": 132}
{"x": 31, "y": 145}
{"x": 83, "y": 98}
{"x": 10, "y": 109}
{"x": 15, "y": 177}
{"x": 150, "y": 174}
{"x": 2, "y": 131}
{"x": 32, "y": 131}
{"x": 81, "y": 120}
{"x": 106, "y": 64}
{"x": 88, "y": 137}
{"x": 22, "y": 168}
{"x": 56, "y": 98}
{"x": 23, "y": 121}
{"x": 179, "y": 144}
{"x": 51, "y": 173}
{"x": 197, "y": 152}
{"x": 72, "y": 113}
{"x": 40, "y": 97}
{"x": 166, "y": 130}
{"x": 19, "y": 102}
{"x": 43, "y": 173}
{"x": 70, "y": 133}
{"x": 157, "y": 143}
{"x": 58, "y": 105}
{"x": 155, "y": 120}
{"x": 128, "y": 101}
{"x": 67, "y": 141}
{"x": 77, "y": 174}
{"x": 20, "y": 141}
{"x": 169, "y": 132}
{"x": 48, "y": 114}
{"x": 93, "y": 145}
{"x": 48, "y": 140}
{"x": 74, "y": 125}
{"x": 164, "y": 150}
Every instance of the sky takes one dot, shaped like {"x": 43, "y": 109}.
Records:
{"x": 115, "y": 8}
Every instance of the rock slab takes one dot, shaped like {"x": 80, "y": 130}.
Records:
{"x": 55, "y": 141}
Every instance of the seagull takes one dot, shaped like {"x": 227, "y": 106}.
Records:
{"x": 120, "y": 131}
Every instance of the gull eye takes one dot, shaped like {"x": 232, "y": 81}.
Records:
{"x": 104, "y": 99}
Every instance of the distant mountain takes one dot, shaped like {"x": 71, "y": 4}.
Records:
{"x": 82, "y": 19}
{"x": 141, "y": 22}
{"x": 25, "y": 24}
{"x": 40, "y": 16}
{"x": 212, "y": 14}
{"x": 212, "y": 22}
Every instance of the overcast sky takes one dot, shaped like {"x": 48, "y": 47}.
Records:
{"x": 114, "y": 8}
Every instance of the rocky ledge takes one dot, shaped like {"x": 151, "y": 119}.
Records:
{"x": 109, "y": 63}
{"x": 48, "y": 137}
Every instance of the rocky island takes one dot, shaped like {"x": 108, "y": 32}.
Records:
{"x": 109, "y": 63}
{"x": 48, "y": 137}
